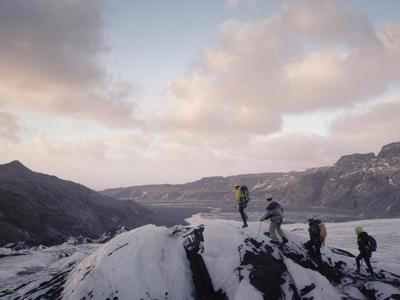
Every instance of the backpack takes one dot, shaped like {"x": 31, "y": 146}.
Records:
{"x": 315, "y": 230}
{"x": 244, "y": 191}
{"x": 322, "y": 231}
{"x": 372, "y": 243}
{"x": 275, "y": 212}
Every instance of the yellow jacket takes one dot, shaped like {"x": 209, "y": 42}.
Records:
{"x": 238, "y": 196}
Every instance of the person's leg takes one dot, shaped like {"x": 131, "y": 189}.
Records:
{"x": 244, "y": 206}
{"x": 311, "y": 249}
{"x": 368, "y": 263}
{"x": 280, "y": 232}
{"x": 243, "y": 215}
{"x": 308, "y": 246}
{"x": 358, "y": 259}
{"x": 283, "y": 236}
{"x": 272, "y": 231}
{"x": 318, "y": 245}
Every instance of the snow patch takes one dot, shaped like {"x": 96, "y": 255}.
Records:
{"x": 142, "y": 263}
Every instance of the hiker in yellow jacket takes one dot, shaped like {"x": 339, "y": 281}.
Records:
{"x": 240, "y": 200}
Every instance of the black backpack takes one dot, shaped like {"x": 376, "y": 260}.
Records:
{"x": 372, "y": 243}
{"x": 245, "y": 192}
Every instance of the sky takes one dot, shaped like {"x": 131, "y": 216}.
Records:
{"x": 121, "y": 93}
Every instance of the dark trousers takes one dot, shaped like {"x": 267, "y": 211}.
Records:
{"x": 242, "y": 206}
{"x": 314, "y": 248}
{"x": 366, "y": 257}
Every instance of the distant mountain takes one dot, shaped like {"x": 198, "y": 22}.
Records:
{"x": 42, "y": 209}
{"x": 365, "y": 182}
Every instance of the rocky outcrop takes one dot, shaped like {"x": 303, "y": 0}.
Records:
{"x": 42, "y": 209}
{"x": 363, "y": 182}
{"x": 240, "y": 264}
{"x": 390, "y": 151}
{"x": 354, "y": 161}
{"x": 150, "y": 262}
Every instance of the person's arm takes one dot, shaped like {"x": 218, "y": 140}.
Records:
{"x": 266, "y": 216}
{"x": 364, "y": 243}
{"x": 367, "y": 245}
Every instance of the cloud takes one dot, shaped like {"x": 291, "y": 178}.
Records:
{"x": 360, "y": 130}
{"x": 310, "y": 56}
{"x": 9, "y": 133}
{"x": 222, "y": 118}
{"x": 50, "y": 62}
{"x": 118, "y": 158}
{"x": 123, "y": 158}
{"x": 232, "y": 4}
{"x": 115, "y": 144}
{"x": 369, "y": 129}
{"x": 9, "y": 127}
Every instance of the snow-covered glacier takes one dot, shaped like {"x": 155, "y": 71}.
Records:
{"x": 144, "y": 263}
{"x": 150, "y": 263}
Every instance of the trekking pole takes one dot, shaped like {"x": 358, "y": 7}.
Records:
{"x": 259, "y": 230}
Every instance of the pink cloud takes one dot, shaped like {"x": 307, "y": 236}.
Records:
{"x": 310, "y": 56}
{"x": 9, "y": 126}
{"x": 50, "y": 62}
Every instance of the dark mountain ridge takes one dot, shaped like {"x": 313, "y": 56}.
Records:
{"x": 41, "y": 209}
{"x": 362, "y": 182}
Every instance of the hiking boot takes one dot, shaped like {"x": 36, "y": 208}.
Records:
{"x": 284, "y": 240}
{"x": 275, "y": 242}
{"x": 244, "y": 225}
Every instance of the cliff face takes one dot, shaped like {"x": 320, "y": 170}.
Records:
{"x": 42, "y": 209}
{"x": 359, "y": 181}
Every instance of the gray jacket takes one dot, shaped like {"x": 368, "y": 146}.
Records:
{"x": 274, "y": 213}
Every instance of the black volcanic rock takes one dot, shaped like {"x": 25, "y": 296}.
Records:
{"x": 14, "y": 170}
{"x": 362, "y": 182}
{"x": 42, "y": 209}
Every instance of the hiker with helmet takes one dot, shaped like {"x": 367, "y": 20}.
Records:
{"x": 317, "y": 232}
{"x": 241, "y": 200}
{"x": 366, "y": 244}
{"x": 275, "y": 214}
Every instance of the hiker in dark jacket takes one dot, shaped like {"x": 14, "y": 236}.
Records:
{"x": 242, "y": 202}
{"x": 317, "y": 232}
{"x": 275, "y": 214}
{"x": 365, "y": 249}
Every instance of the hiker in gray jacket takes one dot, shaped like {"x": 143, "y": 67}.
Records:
{"x": 275, "y": 214}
